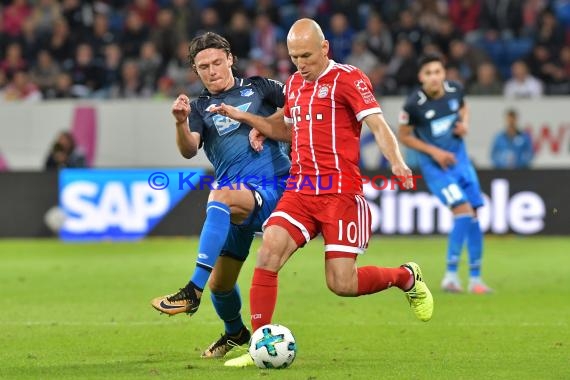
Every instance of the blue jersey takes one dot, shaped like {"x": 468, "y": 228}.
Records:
{"x": 226, "y": 141}
{"x": 434, "y": 119}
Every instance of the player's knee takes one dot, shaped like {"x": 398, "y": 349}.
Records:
{"x": 339, "y": 288}
{"x": 221, "y": 195}
{"x": 268, "y": 256}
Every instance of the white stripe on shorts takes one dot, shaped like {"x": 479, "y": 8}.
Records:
{"x": 343, "y": 248}
{"x": 291, "y": 220}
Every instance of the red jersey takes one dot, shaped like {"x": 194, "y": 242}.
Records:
{"x": 327, "y": 119}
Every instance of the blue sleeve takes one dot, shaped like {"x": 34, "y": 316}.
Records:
{"x": 271, "y": 91}
{"x": 196, "y": 121}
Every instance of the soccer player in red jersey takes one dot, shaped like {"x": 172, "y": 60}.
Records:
{"x": 326, "y": 104}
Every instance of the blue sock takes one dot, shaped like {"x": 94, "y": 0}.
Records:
{"x": 228, "y": 307}
{"x": 212, "y": 240}
{"x": 456, "y": 239}
{"x": 475, "y": 248}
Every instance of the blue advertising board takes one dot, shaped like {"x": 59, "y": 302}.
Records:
{"x": 119, "y": 204}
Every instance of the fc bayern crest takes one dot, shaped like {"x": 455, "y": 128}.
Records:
{"x": 323, "y": 91}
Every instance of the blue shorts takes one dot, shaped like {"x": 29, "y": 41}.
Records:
{"x": 456, "y": 185}
{"x": 240, "y": 236}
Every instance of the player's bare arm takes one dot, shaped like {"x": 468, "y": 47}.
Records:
{"x": 273, "y": 126}
{"x": 187, "y": 141}
{"x": 388, "y": 144}
{"x": 462, "y": 125}
{"x": 442, "y": 157}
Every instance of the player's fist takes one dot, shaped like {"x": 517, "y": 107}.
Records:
{"x": 256, "y": 140}
{"x": 460, "y": 129}
{"x": 181, "y": 108}
{"x": 444, "y": 158}
{"x": 404, "y": 174}
{"x": 227, "y": 110}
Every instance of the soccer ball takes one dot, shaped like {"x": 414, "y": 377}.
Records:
{"x": 272, "y": 346}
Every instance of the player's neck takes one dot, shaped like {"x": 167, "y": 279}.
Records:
{"x": 440, "y": 92}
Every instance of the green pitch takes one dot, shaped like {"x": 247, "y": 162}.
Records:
{"x": 73, "y": 311}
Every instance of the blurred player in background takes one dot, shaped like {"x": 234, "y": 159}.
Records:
{"x": 433, "y": 122}
{"x": 326, "y": 104}
{"x": 234, "y": 212}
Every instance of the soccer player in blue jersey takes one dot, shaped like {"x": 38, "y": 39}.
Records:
{"x": 433, "y": 122}
{"x": 235, "y": 210}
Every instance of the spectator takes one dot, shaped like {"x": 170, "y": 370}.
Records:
{"x": 63, "y": 88}
{"x": 403, "y": 66}
{"x": 265, "y": 37}
{"x": 60, "y": 43}
{"x": 466, "y": 16}
{"x": 13, "y": 61}
{"x": 408, "y": 29}
{"x": 100, "y": 35}
{"x": 522, "y": 84}
{"x": 165, "y": 36}
{"x": 239, "y": 36}
{"x": 45, "y": 72}
{"x": 65, "y": 154}
{"x": 340, "y": 37}
{"x": 378, "y": 38}
{"x": 487, "y": 81}
{"x": 512, "y": 148}
{"x": 44, "y": 15}
{"x": 21, "y": 88}
{"x": 135, "y": 34}
{"x": 361, "y": 57}
{"x": 150, "y": 64}
{"x": 13, "y": 17}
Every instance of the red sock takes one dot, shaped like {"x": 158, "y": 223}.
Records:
{"x": 374, "y": 279}
{"x": 262, "y": 297}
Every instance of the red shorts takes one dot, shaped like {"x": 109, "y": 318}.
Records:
{"x": 343, "y": 219}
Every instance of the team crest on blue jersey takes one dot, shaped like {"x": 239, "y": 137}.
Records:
{"x": 246, "y": 92}
{"x": 453, "y": 104}
{"x": 224, "y": 124}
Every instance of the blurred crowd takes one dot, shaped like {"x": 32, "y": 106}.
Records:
{"x": 110, "y": 49}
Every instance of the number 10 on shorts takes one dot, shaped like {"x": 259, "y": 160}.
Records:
{"x": 351, "y": 231}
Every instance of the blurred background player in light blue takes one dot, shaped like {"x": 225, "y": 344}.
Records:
{"x": 433, "y": 121}
{"x": 512, "y": 147}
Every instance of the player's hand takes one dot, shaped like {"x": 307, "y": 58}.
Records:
{"x": 460, "y": 129}
{"x": 404, "y": 174}
{"x": 256, "y": 140}
{"x": 227, "y": 110}
{"x": 181, "y": 108}
{"x": 444, "y": 158}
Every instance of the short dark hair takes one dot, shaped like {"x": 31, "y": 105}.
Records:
{"x": 429, "y": 58}
{"x": 208, "y": 40}
{"x": 511, "y": 112}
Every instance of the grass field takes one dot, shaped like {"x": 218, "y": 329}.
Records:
{"x": 82, "y": 311}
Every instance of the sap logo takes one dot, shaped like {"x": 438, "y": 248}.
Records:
{"x": 225, "y": 125}
{"x": 100, "y": 207}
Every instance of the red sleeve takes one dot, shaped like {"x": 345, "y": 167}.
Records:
{"x": 358, "y": 94}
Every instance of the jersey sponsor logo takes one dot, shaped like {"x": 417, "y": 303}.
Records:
{"x": 323, "y": 91}
{"x": 247, "y": 92}
{"x": 440, "y": 126}
{"x": 364, "y": 91}
{"x": 453, "y": 104}
{"x": 225, "y": 125}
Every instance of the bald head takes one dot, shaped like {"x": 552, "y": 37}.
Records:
{"x": 308, "y": 48}
{"x": 306, "y": 29}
